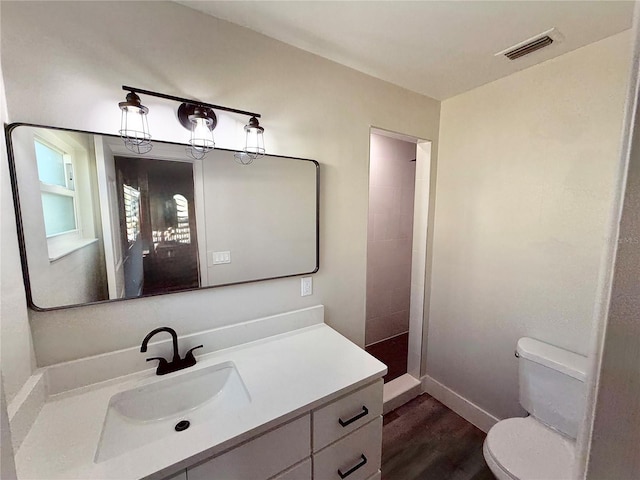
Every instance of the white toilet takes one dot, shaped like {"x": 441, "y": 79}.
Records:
{"x": 542, "y": 445}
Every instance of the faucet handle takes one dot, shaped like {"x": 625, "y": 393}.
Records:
{"x": 162, "y": 360}
{"x": 163, "y": 365}
{"x": 189, "y": 354}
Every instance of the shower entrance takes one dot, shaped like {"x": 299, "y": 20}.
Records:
{"x": 399, "y": 176}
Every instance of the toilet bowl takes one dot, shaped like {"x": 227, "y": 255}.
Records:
{"x": 523, "y": 448}
{"x": 542, "y": 445}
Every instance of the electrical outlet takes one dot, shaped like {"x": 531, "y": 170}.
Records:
{"x": 306, "y": 286}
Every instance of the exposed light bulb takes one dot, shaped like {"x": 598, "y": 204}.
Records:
{"x": 202, "y": 135}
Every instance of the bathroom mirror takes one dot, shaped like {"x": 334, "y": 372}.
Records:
{"x": 99, "y": 223}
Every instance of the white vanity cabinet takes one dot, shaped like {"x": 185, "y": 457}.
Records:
{"x": 260, "y": 458}
{"x": 312, "y": 410}
{"x": 338, "y": 440}
{"x": 356, "y": 456}
{"x": 347, "y": 435}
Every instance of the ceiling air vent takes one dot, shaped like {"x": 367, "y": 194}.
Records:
{"x": 529, "y": 48}
{"x": 531, "y": 45}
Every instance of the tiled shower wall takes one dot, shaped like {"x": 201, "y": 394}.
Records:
{"x": 389, "y": 240}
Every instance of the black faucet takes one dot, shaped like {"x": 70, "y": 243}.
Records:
{"x": 177, "y": 363}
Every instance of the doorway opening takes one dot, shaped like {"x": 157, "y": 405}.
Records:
{"x": 399, "y": 180}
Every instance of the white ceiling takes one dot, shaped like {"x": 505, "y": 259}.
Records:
{"x": 437, "y": 48}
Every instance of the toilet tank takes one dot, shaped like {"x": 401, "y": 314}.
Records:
{"x": 552, "y": 384}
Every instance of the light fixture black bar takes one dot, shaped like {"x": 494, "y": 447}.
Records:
{"x": 186, "y": 100}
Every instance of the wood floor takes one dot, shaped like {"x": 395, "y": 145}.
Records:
{"x": 425, "y": 440}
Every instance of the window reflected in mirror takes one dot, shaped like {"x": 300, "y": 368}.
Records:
{"x": 55, "y": 171}
{"x": 131, "y": 201}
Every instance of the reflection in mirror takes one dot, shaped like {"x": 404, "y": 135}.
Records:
{"x": 100, "y": 223}
{"x": 159, "y": 231}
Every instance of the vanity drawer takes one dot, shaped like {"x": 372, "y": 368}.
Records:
{"x": 181, "y": 475}
{"x": 353, "y": 410}
{"x": 356, "y": 457}
{"x": 302, "y": 471}
{"x": 260, "y": 458}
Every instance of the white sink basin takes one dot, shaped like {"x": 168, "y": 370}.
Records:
{"x": 150, "y": 411}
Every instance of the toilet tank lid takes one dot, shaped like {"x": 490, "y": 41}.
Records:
{"x": 566, "y": 362}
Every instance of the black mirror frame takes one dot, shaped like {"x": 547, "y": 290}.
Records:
{"x": 8, "y": 129}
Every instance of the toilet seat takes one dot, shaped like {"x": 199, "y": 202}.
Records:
{"x": 525, "y": 449}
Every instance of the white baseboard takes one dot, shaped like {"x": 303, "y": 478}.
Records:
{"x": 456, "y": 402}
{"x": 399, "y": 391}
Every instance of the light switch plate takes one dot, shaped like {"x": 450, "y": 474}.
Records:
{"x": 218, "y": 258}
{"x": 306, "y": 286}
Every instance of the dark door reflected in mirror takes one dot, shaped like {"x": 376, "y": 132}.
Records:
{"x": 98, "y": 223}
{"x": 157, "y": 219}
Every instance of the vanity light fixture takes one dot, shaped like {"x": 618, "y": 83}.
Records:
{"x": 201, "y": 121}
{"x": 134, "y": 128}
{"x": 243, "y": 158}
{"x": 197, "y": 117}
{"x": 254, "y": 143}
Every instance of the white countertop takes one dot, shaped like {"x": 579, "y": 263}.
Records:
{"x": 286, "y": 375}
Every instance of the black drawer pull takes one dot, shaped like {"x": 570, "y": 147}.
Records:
{"x": 364, "y": 412}
{"x": 362, "y": 463}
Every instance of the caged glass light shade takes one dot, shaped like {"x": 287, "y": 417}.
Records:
{"x": 254, "y": 139}
{"x": 134, "y": 129}
{"x": 202, "y": 121}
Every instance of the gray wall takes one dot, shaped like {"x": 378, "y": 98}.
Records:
{"x": 611, "y": 443}
{"x": 263, "y": 213}
{"x": 15, "y": 336}
{"x": 526, "y": 175}
{"x": 17, "y": 356}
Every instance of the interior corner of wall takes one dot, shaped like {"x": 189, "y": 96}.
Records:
{"x": 7, "y": 462}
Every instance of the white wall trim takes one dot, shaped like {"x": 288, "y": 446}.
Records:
{"x": 456, "y": 402}
{"x": 421, "y": 207}
{"x": 399, "y": 391}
